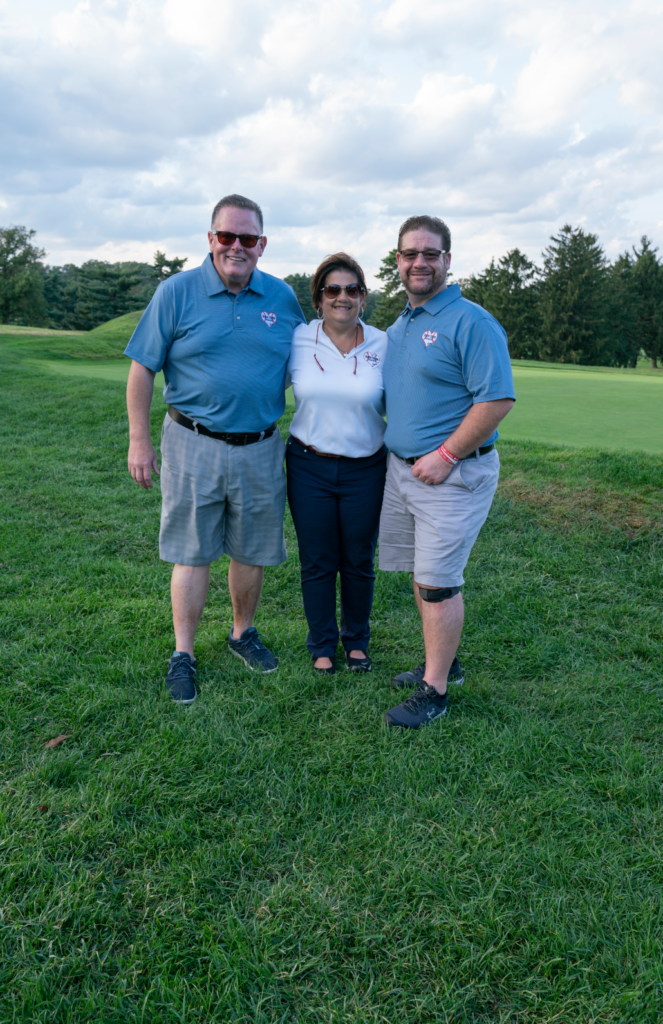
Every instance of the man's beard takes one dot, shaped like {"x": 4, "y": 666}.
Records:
{"x": 417, "y": 285}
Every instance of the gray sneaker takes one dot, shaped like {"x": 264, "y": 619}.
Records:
{"x": 251, "y": 650}
{"x": 414, "y": 678}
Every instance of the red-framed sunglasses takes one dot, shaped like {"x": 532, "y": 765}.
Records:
{"x": 228, "y": 237}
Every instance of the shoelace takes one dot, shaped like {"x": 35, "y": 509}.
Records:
{"x": 419, "y": 697}
{"x": 182, "y": 667}
{"x": 255, "y": 642}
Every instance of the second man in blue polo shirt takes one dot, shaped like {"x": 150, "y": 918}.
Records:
{"x": 448, "y": 383}
{"x": 221, "y": 334}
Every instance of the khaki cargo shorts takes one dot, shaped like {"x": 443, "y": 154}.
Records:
{"x": 430, "y": 529}
{"x": 220, "y": 498}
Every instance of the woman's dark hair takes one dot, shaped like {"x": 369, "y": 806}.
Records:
{"x": 337, "y": 261}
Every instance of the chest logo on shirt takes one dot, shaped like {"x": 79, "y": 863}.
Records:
{"x": 372, "y": 358}
{"x": 428, "y": 337}
{"x": 269, "y": 318}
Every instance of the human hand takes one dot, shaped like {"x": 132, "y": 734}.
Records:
{"x": 142, "y": 460}
{"x": 431, "y": 468}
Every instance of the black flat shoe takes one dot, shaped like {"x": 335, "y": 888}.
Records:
{"x": 331, "y": 671}
{"x": 358, "y": 664}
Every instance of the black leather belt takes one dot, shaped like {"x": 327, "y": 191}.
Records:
{"x": 473, "y": 455}
{"x": 198, "y": 428}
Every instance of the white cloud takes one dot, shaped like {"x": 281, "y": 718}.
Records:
{"x": 122, "y": 122}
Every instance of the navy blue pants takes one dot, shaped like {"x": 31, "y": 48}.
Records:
{"x": 335, "y": 506}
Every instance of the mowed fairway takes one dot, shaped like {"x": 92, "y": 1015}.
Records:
{"x": 570, "y": 405}
{"x": 585, "y": 408}
{"x": 274, "y": 853}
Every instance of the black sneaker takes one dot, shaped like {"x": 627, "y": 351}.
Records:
{"x": 252, "y": 651}
{"x": 415, "y": 676}
{"x": 358, "y": 664}
{"x": 424, "y": 706}
{"x": 180, "y": 679}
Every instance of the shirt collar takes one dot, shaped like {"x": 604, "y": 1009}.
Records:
{"x": 438, "y": 302}
{"x": 215, "y": 286}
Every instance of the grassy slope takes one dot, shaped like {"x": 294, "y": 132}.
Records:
{"x": 274, "y": 854}
{"x": 108, "y": 341}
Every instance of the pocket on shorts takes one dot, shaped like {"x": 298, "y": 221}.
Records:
{"x": 474, "y": 473}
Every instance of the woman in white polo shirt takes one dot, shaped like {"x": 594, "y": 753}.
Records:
{"x": 336, "y": 461}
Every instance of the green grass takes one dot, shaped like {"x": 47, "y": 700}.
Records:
{"x": 273, "y": 853}
{"x": 644, "y": 367}
{"x": 97, "y": 369}
{"x": 106, "y": 342}
{"x": 585, "y": 408}
{"x": 116, "y": 333}
{"x": 557, "y": 404}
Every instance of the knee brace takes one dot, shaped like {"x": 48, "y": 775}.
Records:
{"x": 443, "y": 594}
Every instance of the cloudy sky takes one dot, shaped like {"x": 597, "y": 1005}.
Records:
{"x": 123, "y": 122}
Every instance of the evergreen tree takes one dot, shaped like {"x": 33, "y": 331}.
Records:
{"x": 164, "y": 268}
{"x": 105, "y": 291}
{"x": 61, "y": 296}
{"x": 21, "y": 278}
{"x": 301, "y": 286}
{"x": 627, "y": 340}
{"x": 510, "y": 290}
{"x": 371, "y": 300}
{"x": 647, "y": 291}
{"x": 393, "y": 299}
{"x": 576, "y": 301}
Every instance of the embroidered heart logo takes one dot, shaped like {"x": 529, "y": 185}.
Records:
{"x": 269, "y": 318}
{"x": 428, "y": 337}
{"x": 371, "y": 358}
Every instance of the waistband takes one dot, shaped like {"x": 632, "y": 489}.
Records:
{"x": 381, "y": 453}
{"x": 310, "y": 448}
{"x": 473, "y": 455}
{"x": 198, "y": 428}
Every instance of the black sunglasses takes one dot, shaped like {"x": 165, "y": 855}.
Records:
{"x": 228, "y": 237}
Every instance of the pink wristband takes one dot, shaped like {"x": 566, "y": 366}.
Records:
{"x": 447, "y": 455}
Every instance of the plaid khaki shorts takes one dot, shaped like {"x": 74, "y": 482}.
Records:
{"x": 220, "y": 498}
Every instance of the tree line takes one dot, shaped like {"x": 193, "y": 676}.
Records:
{"x": 577, "y": 307}
{"x": 71, "y": 298}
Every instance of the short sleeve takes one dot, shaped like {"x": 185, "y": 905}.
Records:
{"x": 155, "y": 332}
{"x": 484, "y": 357}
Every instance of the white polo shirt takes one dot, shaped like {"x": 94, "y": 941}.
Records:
{"x": 339, "y": 399}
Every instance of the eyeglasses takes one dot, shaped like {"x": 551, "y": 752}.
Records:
{"x": 430, "y": 255}
{"x": 332, "y": 291}
{"x": 228, "y": 237}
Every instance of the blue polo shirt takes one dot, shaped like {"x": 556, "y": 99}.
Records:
{"x": 224, "y": 356}
{"x": 442, "y": 358}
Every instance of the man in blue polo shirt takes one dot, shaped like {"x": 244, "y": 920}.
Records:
{"x": 221, "y": 334}
{"x": 448, "y": 383}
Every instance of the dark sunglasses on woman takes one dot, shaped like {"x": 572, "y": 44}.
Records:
{"x": 332, "y": 291}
